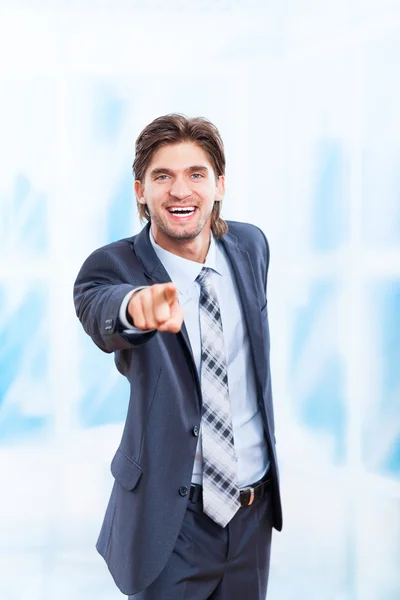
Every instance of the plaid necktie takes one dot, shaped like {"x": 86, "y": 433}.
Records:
{"x": 220, "y": 488}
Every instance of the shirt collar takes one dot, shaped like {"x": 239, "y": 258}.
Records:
{"x": 182, "y": 271}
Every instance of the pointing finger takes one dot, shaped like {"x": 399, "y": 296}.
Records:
{"x": 170, "y": 293}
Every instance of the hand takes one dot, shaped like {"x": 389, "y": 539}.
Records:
{"x": 156, "y": 307}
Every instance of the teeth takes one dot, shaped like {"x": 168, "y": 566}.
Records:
{"x": 183, "y": 211}
{"x": 186, "y": 209}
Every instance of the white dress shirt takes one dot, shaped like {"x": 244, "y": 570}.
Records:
{"x": 250, "y": 444}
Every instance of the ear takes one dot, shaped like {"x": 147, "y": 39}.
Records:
{"x": 139, "y": 191}
{"x": 220, "y": 191}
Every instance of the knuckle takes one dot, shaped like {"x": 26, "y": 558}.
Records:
{"x": 156, "y": 288}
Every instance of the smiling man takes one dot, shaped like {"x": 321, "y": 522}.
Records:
{"x": 179, "y": 190}
{"x": 183, "y": 307}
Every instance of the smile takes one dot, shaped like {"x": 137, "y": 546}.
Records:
{"x": 181, "y": 212}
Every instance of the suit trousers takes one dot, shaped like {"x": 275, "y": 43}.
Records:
{"x": 214, "y": 563}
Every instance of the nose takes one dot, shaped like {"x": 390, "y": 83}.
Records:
{"x": 180, "y": 189}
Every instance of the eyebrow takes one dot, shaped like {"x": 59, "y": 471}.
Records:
{"x": 165, "y": 171}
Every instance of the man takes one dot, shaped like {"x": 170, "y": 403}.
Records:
{"x": 183, "y": 307}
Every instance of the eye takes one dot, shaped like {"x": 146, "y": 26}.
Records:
{"x": 161, "y": 177}
{"x": 197, "y": 175}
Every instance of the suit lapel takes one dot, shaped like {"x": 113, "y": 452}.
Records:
{"x": 250, "y": 300}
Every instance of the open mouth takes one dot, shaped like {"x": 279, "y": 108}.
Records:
{"x": 182, "y": 212}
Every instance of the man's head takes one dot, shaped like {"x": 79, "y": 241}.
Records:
{"x": 180, "y": 164}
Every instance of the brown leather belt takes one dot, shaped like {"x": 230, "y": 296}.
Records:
{"x": 247, "y": 494}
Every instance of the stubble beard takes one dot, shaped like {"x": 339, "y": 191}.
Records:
{"x": 182, "y": 236}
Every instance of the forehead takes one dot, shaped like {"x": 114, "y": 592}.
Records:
{"x": 178, "y": 157}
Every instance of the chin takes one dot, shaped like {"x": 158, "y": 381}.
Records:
{"x": 183, "y": 234}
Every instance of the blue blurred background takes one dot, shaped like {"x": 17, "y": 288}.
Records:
{"x": 306, "y": 96}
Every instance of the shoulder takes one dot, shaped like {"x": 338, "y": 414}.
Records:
{"x": 116, "y": 256}
{"x": 116, "y": 248}
{"x": 249, "y": 237}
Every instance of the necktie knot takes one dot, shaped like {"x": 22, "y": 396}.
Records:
{"x": 203, "y": 278}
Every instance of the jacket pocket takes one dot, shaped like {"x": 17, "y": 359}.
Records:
{"x": 125, "y": 471}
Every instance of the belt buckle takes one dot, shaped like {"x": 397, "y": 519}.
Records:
{"x": 251, "y": 490}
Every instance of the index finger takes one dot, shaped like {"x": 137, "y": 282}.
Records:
{"x": 170, "y": 293}
{"x": 161, "y": 302}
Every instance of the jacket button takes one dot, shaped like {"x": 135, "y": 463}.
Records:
{"x": 183, "y": 491}
{"x": 108, "y": 324}
{"x": 195, "y": 430}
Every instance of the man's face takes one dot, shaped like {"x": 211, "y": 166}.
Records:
{"x": 180, "y": 188}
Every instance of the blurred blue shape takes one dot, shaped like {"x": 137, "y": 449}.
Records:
{"x": 105, "y": 398}
{"x": 320, "y": 404}
{"x": 392, "y": 463}
{"x": 18, "y": 428}
{"x": 96, "y": 409}
{"x": 108, "y": 114}
{"x": 381, "y": 193}
{"x": 22, "y": 188}
{"x": 22, "y": 354}
{"x": 323, "y": 408}
{"x": 387, "y": 312}
{"x": 329, "y": 217}
{"x": 390, "y": 319}
{"x": 108, "y": 119}
{"x": 304, "y": 318}
{"x": 120, "y": 211}
{"x": 25, "y": 219}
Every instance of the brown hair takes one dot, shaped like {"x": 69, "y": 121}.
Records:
{"x": 174, "y": 129}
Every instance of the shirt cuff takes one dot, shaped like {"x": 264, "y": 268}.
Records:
{"x": 122, "y": 313}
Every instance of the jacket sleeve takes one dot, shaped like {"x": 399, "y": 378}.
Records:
{"x": 99, "y": 290}
{"x": 266, "y": 259}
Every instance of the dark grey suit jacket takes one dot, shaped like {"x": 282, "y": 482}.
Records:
{"x": 153, "y": 465}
